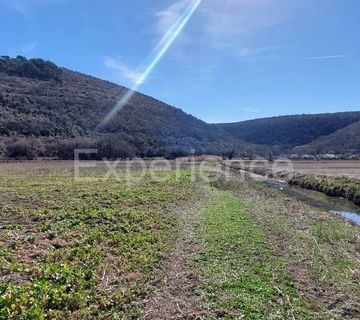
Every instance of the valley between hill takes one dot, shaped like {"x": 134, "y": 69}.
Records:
{"x": 47, "y": 111}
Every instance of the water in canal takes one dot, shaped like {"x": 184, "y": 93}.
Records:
{"x": 339, "y": 206}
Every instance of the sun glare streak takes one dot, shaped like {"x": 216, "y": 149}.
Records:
{"x": 154, "y": 58}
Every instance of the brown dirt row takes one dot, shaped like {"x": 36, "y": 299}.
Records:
{"x": 176, "y": 293}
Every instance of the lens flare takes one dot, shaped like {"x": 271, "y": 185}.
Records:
{"x": 154, "y": 58}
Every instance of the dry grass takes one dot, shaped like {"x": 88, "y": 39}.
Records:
{"x": 350, "y": 168}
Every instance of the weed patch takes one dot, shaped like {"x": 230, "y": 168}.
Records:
{"x": 80, "y": 250}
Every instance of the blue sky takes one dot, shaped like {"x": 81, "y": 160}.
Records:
{"x": 234, "y": 60}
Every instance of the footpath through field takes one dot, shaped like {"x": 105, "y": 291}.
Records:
{"x": 250, "y": 252}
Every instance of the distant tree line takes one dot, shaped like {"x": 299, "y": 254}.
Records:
{"x": 288, "y": 132}
{"x": 108, "y": 146}
{"x": 30, "y": 148}
{"x": 32, "y": 68}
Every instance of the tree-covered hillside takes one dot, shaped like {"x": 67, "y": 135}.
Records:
{"x": 48, "y": 111}
{"x": 343, "y": 141}
{"x": 32, "y": 68}
{"x": 289, "y": 131}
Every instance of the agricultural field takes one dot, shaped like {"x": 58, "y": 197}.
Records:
{"x": 334, "y": 168}
{"x": 177, "y": 244}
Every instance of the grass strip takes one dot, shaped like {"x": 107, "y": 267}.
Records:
{"x": 243, "y": 276}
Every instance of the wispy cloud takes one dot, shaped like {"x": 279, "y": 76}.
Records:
{"x": 250, "y": 109}
{"x": 338, "y": 56}
{"x": 170, "y": 25}
{"x": 24, "y": 7}
{"x": 259, "y": 53}
{"x": 28, "y": 47}
{"x": 166, "y": 18}
{"x": 16, "y": 5}
{"x": 121, "y": 70}
{"x": 229, "y": 24}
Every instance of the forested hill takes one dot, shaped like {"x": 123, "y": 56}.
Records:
{"x": 47, "y": 111}
{"x": 342, "y": 141}
{"x": 288, "y": 132}
{"x": 62, "y": 103}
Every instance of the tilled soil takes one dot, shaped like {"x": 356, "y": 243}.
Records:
{"x": 177, "y": 293}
